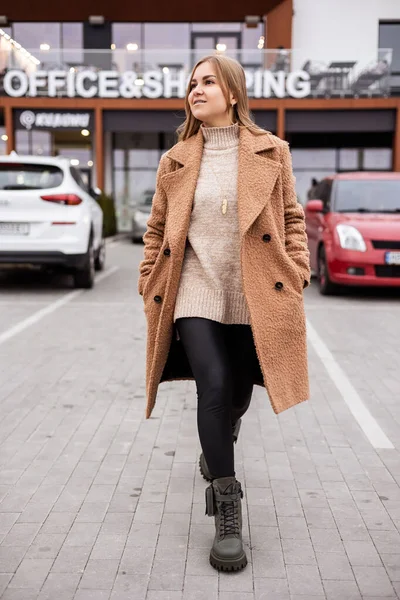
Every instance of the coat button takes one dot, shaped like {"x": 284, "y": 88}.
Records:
{"x": 278, "y": 285}
{"x": 266, "y": 237}
{"x": 157, "y": 299}
{"x": 167, "y": 252}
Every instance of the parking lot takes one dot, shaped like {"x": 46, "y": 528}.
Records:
{"x": 97, "y": 503}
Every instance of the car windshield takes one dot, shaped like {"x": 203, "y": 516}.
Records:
{"x": 367, "y": 195}
{"x": 21, "y": 176}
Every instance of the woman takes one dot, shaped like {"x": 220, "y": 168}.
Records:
{"x": 225, "y": 263}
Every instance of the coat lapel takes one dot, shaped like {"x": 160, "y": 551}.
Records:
{"x": 180, "y": 185}
{"x": 257, "y": 176}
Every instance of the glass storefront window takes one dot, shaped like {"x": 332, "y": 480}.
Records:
{"x": 136, "y": 157}
{"x": 126, "y": 33}
{"x": 31, "y": 35}
{"x": 251, "y": 36}
{"x": 317, "y": 158}
{"x": 72, "y": 43}
{"x": 22, "y": 141}
{"x": 172, "y": 36}
{"x": 349, "y": 159}
{"x": 378, "y": 158}
{"x": 34, "y": 142}
{"x": 3, "y": 141}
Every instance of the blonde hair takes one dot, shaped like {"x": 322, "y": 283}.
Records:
{"x": 231, "y": 78}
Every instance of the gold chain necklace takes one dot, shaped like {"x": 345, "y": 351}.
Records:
{"x": 224, "y": 205}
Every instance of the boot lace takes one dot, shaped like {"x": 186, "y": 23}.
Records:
{"x": 229, "y": 519}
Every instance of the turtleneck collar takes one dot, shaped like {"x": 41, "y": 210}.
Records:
{"x": 221, "y": 138}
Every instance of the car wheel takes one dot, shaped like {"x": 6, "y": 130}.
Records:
{"x": 326, "y": 286}
{"x": 100, "y": 260}
{"x": 84, "y": 277}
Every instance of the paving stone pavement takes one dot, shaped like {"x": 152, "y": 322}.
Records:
{"x": 97, "y": 503}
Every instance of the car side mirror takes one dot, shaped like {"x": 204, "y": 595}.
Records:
{"x": 315, "y": 206}
{"x": 95, "y": 192}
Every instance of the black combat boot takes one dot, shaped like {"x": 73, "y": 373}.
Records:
{"x": 224, "y": 502}
{"x": 204, "y": 470}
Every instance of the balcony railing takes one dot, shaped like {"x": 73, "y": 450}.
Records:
{"x": 164, "y": 73}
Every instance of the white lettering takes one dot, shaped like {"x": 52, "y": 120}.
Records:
{"x": 152, "y": 84}
{"x": 56, "y": 81}
{"x": 274, "y": 83}
{"x": 178, "y": 84}
{"x": 298, "y": 84}
{"x": 22, "y": 83}
{"x": 108, "y": 82}
{"x": 80, "y": 88}
{"x": 71, "y": 84}
{"x": 111, "y": 84}
{"x": 128, "y": 88}
{"x": 258, "y": 80}
{"x": 249, "y": 79}
{"x": 37, "y": 79}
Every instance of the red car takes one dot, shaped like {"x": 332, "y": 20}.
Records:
{"x": 353, "y": 228}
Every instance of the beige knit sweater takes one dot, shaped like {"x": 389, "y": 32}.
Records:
{"x": 211, "y": 285}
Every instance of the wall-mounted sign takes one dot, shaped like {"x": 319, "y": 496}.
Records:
{"x": 29, "y": 119}
{"x": 155, "y": 84}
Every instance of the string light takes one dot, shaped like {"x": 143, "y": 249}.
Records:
{"x": 18, "y": 47}
{"x": 221, "y": 47}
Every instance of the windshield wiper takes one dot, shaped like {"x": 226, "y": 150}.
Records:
{"x": 21, "y": 187}
{"x": 368, "y": 210}
{"x": 356, "y": 210}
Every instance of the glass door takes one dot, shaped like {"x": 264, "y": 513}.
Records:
{"x": 224, "y": 41}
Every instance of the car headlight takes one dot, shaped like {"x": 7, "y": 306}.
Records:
{"x": 350, "y": 238}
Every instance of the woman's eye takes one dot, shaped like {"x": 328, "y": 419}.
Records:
{"x": 209, "y": 81}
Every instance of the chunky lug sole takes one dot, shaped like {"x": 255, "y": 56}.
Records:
{"x": 236, "y": 564}
{"x": 205, "y": 473}
{"x": 204, "y": 469}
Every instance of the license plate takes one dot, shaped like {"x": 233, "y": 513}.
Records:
{"x": 392, "y": 258}
{"x": 14, "y": 228}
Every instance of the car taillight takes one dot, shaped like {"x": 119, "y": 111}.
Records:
{"x": 66, "y": 199}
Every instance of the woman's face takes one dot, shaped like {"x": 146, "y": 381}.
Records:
{"x": 206, "y": 99}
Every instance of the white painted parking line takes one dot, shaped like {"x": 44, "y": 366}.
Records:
{"x": 40, "y": 314}
{"x": 348, "y": 392}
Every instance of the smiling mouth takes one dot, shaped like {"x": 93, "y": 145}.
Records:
{"x": 199, "y": 102}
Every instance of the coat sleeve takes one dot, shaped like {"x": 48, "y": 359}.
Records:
{"x": 154, "y": 236}
{"x": 295, "y": 230}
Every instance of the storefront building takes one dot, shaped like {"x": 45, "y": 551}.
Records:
{"x": 109, "y": 94}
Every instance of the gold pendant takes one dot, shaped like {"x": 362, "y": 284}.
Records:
{"x": 224, "y": 206}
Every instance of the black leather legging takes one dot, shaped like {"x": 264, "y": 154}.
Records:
{"x": 222, "y": 361}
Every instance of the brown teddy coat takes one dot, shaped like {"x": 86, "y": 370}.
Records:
{"x": 274, "y": 264}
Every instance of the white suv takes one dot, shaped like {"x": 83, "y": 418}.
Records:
{"x": 48, "y": 217}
